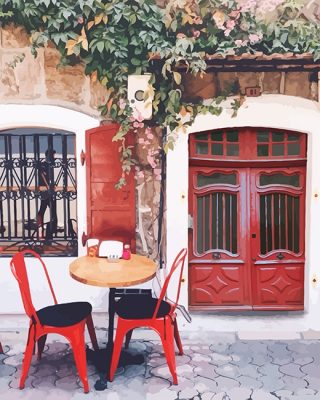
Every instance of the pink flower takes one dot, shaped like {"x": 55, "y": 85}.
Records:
{"x": 230, "y": 24}
{"x": 122, "y": 104}
{"x": 197, "y": 20}
{"x": 254, "y": 38}
{"x": 181, "y": 35}
{"x": 195, "y": 33}
{"x": 235, "y": 14}
{"x": 151, "y": 160}
{"x": 138, "y": 124}
{"x": 240, "y": 43}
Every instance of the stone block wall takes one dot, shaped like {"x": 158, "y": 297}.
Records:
{"x": 40, "y": 80}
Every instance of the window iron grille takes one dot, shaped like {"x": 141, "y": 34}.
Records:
{"x": 38, "y": 192}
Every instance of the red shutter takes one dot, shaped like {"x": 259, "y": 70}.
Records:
{"x": 111, "y": 213}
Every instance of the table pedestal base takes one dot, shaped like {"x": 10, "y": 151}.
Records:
{"x": 101, "y": 359}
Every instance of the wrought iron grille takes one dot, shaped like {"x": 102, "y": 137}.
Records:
{"x": 38, "y": 192}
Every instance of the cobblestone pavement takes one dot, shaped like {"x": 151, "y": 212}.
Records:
{"x": 215, "y": 366}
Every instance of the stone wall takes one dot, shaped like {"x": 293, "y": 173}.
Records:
{"x": 302, "y": 84}
{"x": 39, "y": 80}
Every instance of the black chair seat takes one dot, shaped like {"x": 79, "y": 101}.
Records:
{"x": 65, "y": 314}
{"x": 140, "y": 307}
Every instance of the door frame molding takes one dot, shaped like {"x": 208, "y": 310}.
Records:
{"x": 288, "y": 112}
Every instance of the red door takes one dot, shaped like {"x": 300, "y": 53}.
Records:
{"x": 111, "y": 213}
{"x": 277, "y": 237}
{"x": 247, "y": 241}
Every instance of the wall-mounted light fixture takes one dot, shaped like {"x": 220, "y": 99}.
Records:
{"x": 140, "y": 95}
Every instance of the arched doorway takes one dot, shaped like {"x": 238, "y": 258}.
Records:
{"x": 247, "y": 207}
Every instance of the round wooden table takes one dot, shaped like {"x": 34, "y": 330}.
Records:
{"x": 98, "y": 271}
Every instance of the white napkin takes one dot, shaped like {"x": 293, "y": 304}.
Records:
{"x": 111, "y": 248}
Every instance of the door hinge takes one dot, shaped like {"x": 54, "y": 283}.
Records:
{"x": 84, "y": 238}
{"x": 82, "y": 157}
{"x": 190, "y": 221}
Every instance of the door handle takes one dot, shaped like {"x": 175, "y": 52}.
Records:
{"x": 280, "y": 256}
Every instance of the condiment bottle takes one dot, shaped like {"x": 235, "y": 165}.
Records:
{"x": 126, "y": 255}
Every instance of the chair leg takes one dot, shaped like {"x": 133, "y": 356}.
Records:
{"x": 79, "y": 353}
{"x": 128, "y": 338}
{"x": 92, "y": 332}
{"x": 27, "y": 357}
{"x": 177, "y": 337}
{"x": 120, "y": 333}
{"x": 167, "y": 338}
{"x": 41, "y": 343}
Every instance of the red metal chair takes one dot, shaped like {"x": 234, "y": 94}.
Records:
{"x": 1, "y": 349}
{"x": 66, "y": 319}
{"x": 157, "y": 314}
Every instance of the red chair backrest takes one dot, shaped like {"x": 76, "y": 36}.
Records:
{"x": 19, "y": 270}
{"x": 178, "y": 263}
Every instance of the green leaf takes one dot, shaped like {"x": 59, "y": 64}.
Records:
{"x": 177, "y": 77}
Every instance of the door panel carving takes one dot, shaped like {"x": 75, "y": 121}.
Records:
{"x": 219, "y": 285}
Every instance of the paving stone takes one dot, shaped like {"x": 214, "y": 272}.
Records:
{"x": 198, "y": 358}
{"x": 272, "y": 384}
{"x": 312, "y": 369}
{"x": 280, "y": 354}
{"x": 263, "y": 395}
{"x": 228, "y": 370}
{"x": 294, "y": 383}
{"x": 187, "y": 389}
{"x": 313, "y": 382}
{"x": 302, "y": 360}
{"x": 161, "y": 395}
{"x": 203, "y": 384}
{"x": 135, "y": 370}
{"x": 239, "y": 393}
{"x": 283, "y": 393}
{"x": 250, "y": 371}
{"x": 206, "y": 370}
{"x": 304, "y": 392}
{"x": 68, "y": 383}
{"x": 207, "y": 396}
{"x": 249, "y": 382}
{"x": 7, "y": 370}
{"x": 292, "y": 370}
{"x": 225, "y": 384}
{"x": 220, "y": 359}
{"x": 221, "y": 396}
{"x": 44, "y": 382}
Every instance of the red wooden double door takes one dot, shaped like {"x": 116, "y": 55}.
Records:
{"x": 246, "y": 237}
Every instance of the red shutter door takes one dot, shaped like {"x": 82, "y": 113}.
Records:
{"x": 111, "y": 213}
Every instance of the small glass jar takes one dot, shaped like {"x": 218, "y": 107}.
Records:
{"x": 126, "y": 255}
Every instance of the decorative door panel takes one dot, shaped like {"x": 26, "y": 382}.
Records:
{"x": 277, "y": 244}
{"x": 214, "y": 284}
{"x": 279, "y": 286}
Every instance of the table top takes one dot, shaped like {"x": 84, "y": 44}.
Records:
{"x": 97, "y": 271}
